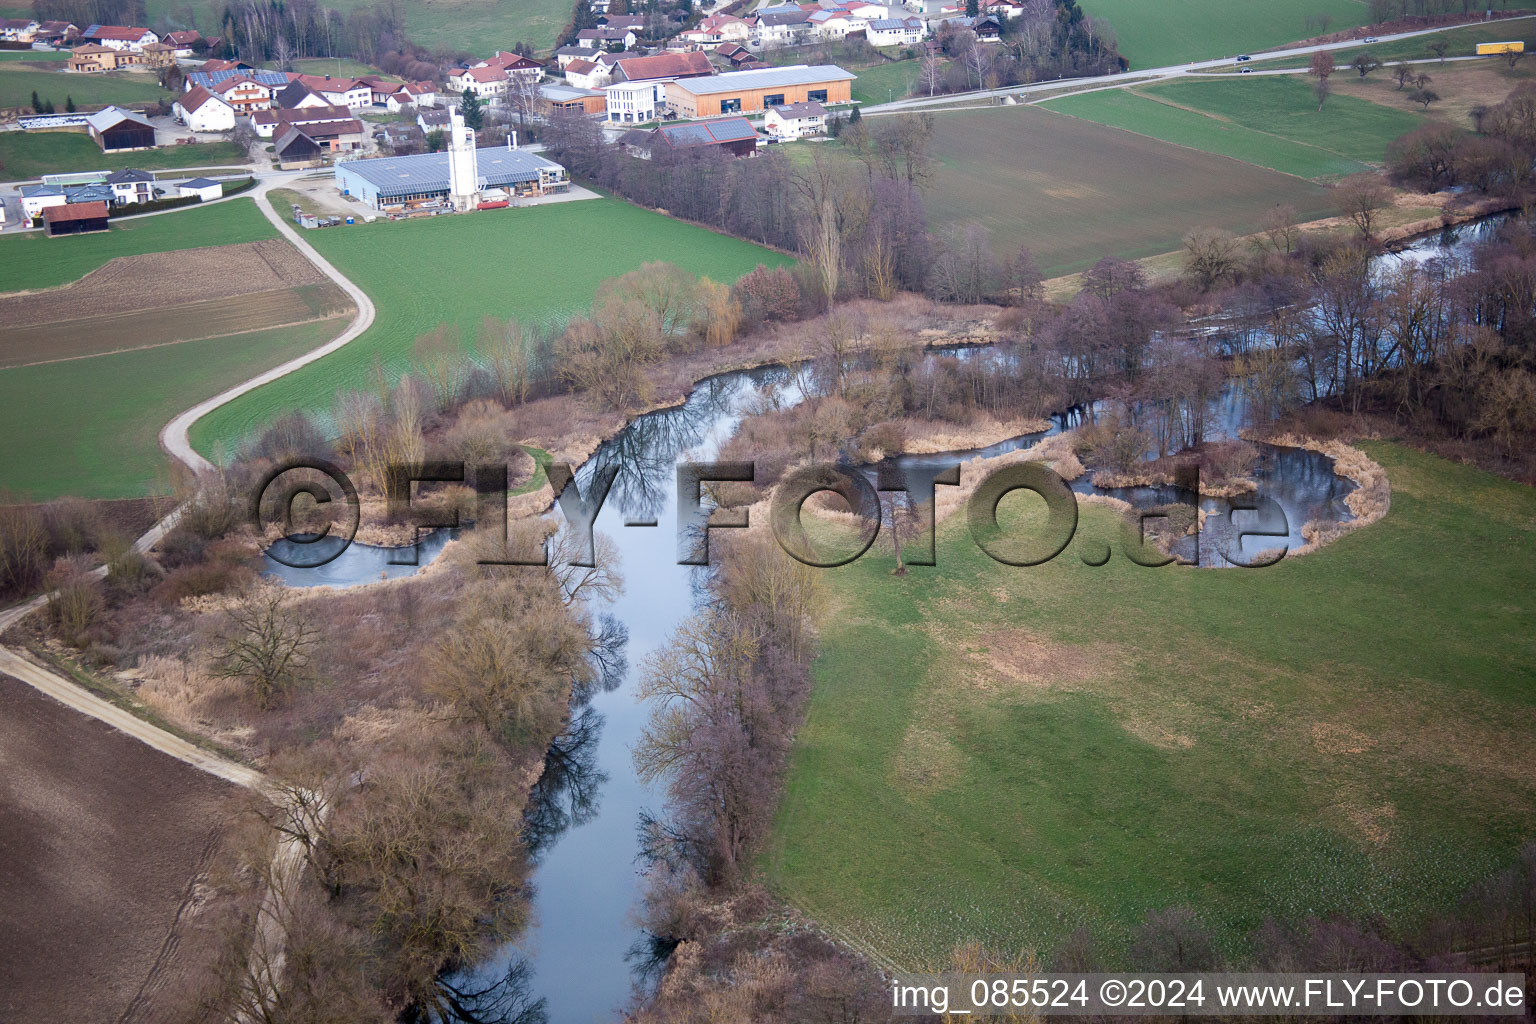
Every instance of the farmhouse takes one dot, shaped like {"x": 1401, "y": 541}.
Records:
{"x": 202, "y": 111}
{"x": 56, "y": 33}
{"x": 244, "y": 94}
{"x": 120, "y": 37}
{"x": 183, "y": 42}
{"x": 296, "y": 95}
{"x": 205, "y": 189}
{"x": 215, "y": 72}
{"x": 347, "y": 92}
{"x": 515, "y": 65}
{"x": 75, "y": 218}
{"x": 18, "y": 30}
{"x": 482, "y": 82}
{"x": 663, "y": 67}
{"x": 401, "y": 182}
{"x": 795, "y": 120}
{"x": 130, "y": 186}
{"x": 733, "y": 135}
{"x": 737, "y": 92}
{"x": 117, "y": 130}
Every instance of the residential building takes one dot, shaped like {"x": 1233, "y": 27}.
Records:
{"x": 635, "y": 22}
{"x": 295, "y": 95}
{"x": 215, "y": 72}
{"x": 379, "y": 89}
{"x": 206, "y": 189}
{"x": 486, "y": 83}
{"x": 894, "y": 31}
{"x": 244, "y": 94}
{"x": 75, "y": 218}
{"x": 36, "y": 198}
{"x": 565, "y": 54}
{"x": 833, "y": 25}
{"x": 605, "y": 38}
{"x": 432, "y": 120}
{"x": 734, "y": 135}
{"x": 401, "y": 182}
{"x": 586, "y": 74}
{"x": 120, "y": 37}
{"x": 717, "y": 29}
{"x": 183, "y": 42}
{"x": 515, "y": 65}
{"x": 739, "y": 92}
{"x": 412, "y": 94}
{"x": 795, "y": 120}
{"x": 90, "y": 58}
{"x": 56, "y": 33}
{"x": 203, "y": 111}
{"x": 347, "y": 92}
{"x": 565, "y": 97}
{"x": 271, "y": 123}
{"x": 19, "y": 30}
{"x": 130, "y": 186}
{"x": 782, "y": 26}
{"x": 117, "y": 130}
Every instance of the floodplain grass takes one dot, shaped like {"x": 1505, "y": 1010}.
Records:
{"x": 1154, "y": 35}
{"x": 1461, "y": 86}
{"x": 1003, "y": 754}
{"x": 31, "y": 260}
{"x": 18, "y": 83}
{"x": 1273, "y": 122}
{"x": 90, "y": 427}
{"x": 427, "y": 273}
{"x": 1075, "y": 191}
{"x": 32, "y": 154}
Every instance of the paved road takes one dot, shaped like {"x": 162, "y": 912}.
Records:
{"x": 1148, "y": 74}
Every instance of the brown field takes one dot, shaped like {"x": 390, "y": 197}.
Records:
{"x": 104, "y": 842}
{"x": 156, "y": 299}
{"x": 1461, "y": 86}
{"x": 1074, "y": 191}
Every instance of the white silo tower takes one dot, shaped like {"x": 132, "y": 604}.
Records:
{"x": 463, "y": 166}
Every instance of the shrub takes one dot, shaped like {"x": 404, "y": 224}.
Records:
{"x": 74, "y": 603}
{"x": 23, "y": 549}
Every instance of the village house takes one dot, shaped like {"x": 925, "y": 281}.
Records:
{"x": 56, "y": 33}
{"x": 347, "y": 92}
{"x": 486, "y": 83}
{"x": 158, "y": 55}
{"x": 117, "y": 130}
{"x": 663, "y": 67}
{"x": 120, "y": 37}
{"x": 586, "y": 74}
{"x": 203, "y": 111}
{"x": 565, "y": 54}
{"x": 183, "y": 42}
{"x": 735, "y": 55}
{"x": 90, "y": 58}
{"x": 205, "y": 189}
{"x": 412, "y": 94}
{"x": 515, "y": 65}
{"x": 245, "y": 95}
{"x": 717, "y": 29}
{"x": 297, "y": 94}
{"x": 75, "y": 218}
{"x": 604, "y": 38}
{"x": 131, "y": 186}
{"x": 635, "y": 22}
{"x": 432, "y": 120}
{"x": 795, "y": 120}
{"x": 785, "y": 25}
{"x": 833, "y": 25}
{"x": 894, "y": 31}
{"x": 18, "y": 30}
{"x": 740, "y": 92}
{"x": 270, "y": 123}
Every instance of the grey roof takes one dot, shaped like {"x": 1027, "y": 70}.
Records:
{"x": 894, "y": 24}
{"x": 565, "y": 93}
{"x": 109, "y": 116}
{"x": 199, "y": 183}
{"x": 428, "y": 172}
{"x": 431, "y": 116}
{"x": 209, "y": 79}
{"x": 782, "y": 16}
{"x": 34, "y": 191}
{"x": 790, "y": 111}
{"x": 708, "y": 133}
{"x": 127, "y": 175}
{"x": 765, "y": 78}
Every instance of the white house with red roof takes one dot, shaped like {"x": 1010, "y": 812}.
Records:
{"x": 515, "y": 65}
{"x": 483, "y": 82}
{"x": 717, "y": 29}
{"x": 586, "y": 74}
{"x": 204, "y": 111}
{"x": 412, "y": 94}
{"x": 121, "y": 37}
{"x": 245, "y": 95}
{"x": 346, "y": 92}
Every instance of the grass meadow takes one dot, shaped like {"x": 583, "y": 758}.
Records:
{"x": 1460, "y": 42}
{"x": 32, "y": 154}
{"x": 1273, "y": 122}
{"x": 1155, "y": 35}
{"x": 423, "y": 274}
{"x": 1004, "y": 754}
{"x": 29, "y": 261}
{"x": 884, "y": 82}
{"x": 17, "y": 84}
{"x": 1075, "y": 191}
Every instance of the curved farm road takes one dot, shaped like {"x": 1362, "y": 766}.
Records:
{"x": 265, "y": 964}
{"x": 174, "y": 436}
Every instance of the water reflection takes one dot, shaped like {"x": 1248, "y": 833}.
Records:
{"x": 566, "y": 794}
{"x": 508, "y": 999}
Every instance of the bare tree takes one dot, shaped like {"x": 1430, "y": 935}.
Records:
{"x": 266, "y": 642}
{"x": 1361, "y": 199}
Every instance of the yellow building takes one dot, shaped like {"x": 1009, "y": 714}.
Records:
{"x": 741, "y": 92}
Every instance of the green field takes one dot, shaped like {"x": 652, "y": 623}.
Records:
{"x": 338, "y": 67}
{"x": 39, "y": 56}
{"x": 1462, "y": 42}
{"x": 30, "y": 154}
{"x": 1003, "y": 754}
{"x": 1179, "y": 31}
{"x": 455, "y": 270}
{"x": 884, "y": 82}
{"x": 1273, "y": 122}
{"x": 476, "y": 26}
{"x": 90, "y": 427}
{"x": 31, "y": 260}
{"x": 17, "y": 85}
{"x": 1074, "y": 191}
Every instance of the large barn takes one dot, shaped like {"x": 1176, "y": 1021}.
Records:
{"x": 423, "y": 180}
{"x": 741, "y": 92}
{"x": 116, "y": 130}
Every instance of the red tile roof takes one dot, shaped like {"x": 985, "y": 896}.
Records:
{"x": 325, "y": 83}
{"x": 196, "y": 97}
{"x": 120, "y": 32}
{"x": 665, "y": 65}
{"x": 75, "y": 211}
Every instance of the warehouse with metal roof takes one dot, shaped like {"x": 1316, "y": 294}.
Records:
{"x": 422, "y": 180}
{"x": 741, "y": 92}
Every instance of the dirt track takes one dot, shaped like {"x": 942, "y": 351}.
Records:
{"x": 103, "y": 839}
